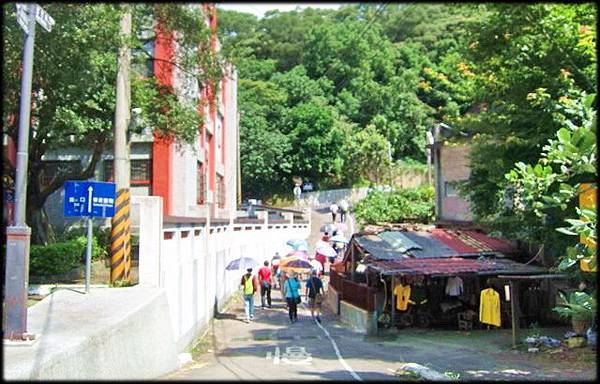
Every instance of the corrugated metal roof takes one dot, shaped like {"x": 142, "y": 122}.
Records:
{"x": 432, "y": 243}
{"x": 430, "y": 246}
{"x": 399, "y": 241}
{"x": 452, "y": 266}
{"x": 378, "y": 248}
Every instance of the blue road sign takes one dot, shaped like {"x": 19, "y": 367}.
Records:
{"x": 89, "y": 198}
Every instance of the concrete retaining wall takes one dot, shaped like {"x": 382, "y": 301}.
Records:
{"x": 107, "y": 334}
{"x": 188, "y": 260}
{"x": 332, "y": 300}
{"x": 357, "y": 318}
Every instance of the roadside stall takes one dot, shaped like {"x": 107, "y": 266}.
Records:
{"x": 430, "y": 277}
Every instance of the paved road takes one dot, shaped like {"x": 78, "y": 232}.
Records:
{"x": 270, "y": 348}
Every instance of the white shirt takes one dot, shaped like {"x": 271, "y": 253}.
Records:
{"x": 316, "y": 265}
{"x": 344, "y": 205}
{"x": 454, "y": 286}
{"x": 333, "y": 208}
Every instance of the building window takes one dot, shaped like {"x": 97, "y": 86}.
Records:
{"x": 58, "y": 168}
{"x": 451, "y": 188}
{"x": 201, "y": 185}
{"x": 141, "y": 171}
{"x": 220, "y": 192}
{"x": 142, "y": 60}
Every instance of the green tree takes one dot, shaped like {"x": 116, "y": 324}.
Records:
{"x": 544, "y": 196}
{"x": 529, "y": 62}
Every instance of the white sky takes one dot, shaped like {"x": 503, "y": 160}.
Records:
{"x": 259, "y": 9}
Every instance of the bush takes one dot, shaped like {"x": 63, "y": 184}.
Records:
{"x": 59, "y": 258}
{"x": 396, "y": 206}
{"x": 100, "y": 240}
{"x": 55, "y": 259}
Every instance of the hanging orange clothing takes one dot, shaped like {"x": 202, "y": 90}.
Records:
{"x": 402, "y": 293}
{"x": 489, "y": 307}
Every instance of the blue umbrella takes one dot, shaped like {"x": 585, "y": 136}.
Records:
{"x": 295, "y": 243}
{"x": 242, "y": 263}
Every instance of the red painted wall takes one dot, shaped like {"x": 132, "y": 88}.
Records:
{"x": 162, "y": 151}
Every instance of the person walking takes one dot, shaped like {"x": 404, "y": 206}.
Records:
{"x": 343, "y": 210}
{"x": 333, "y": 208}
{"x": 292, "y": 296}
{"x": 275, "y": 268}
{"x": 249, "y": 287}
{"x": 316, "y": 265}
{"x": 264, "y": 279}
{"x": 314, "y": 293}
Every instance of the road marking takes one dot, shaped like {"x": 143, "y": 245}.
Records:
{"x": 293, "y": 355}
{"x": 337, "y": 351}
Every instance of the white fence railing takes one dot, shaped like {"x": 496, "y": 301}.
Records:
{"x": 188, "y": 259}
{"x": 320, "y": 199}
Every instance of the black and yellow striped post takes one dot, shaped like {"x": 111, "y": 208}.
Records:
{"x": 120, "y": 239}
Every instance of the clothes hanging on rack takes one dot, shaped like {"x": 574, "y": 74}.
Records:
{"x": 454, "y": 286}
{"x": 402, "y": 293}
{"x": 489, "y": 307}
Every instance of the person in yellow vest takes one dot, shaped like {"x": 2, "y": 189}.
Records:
{"x": 249, "y": 286}
{"x": 489, "y": 307}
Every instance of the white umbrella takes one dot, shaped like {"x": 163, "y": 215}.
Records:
{"x": 241, "y": 263}
{"x": 339, "y": 239}
{"x": 302, "y": 247}
{"x": 321, "y": 243}
{"x": 284, "y": 249}
{"x": 327, "y": 251}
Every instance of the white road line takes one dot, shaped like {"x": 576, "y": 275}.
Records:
{"x": 337, "y": 351}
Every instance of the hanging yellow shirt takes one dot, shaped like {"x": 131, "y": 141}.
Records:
{"x": 489, "y": 307}
{"x": 402, "y": 293}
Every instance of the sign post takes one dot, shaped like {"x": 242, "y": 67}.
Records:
{"x": 90, "y": 199}
{"x": 18, "y": 235}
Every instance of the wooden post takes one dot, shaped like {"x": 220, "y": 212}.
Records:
{"x": 514, "y": 309}
{"x": 393, "y": 285}
{"x": 352, "y": 267}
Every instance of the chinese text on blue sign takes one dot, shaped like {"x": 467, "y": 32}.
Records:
{"x": 89, "y": 198}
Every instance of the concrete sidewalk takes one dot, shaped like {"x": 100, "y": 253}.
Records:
{"x": 106, "y": 334}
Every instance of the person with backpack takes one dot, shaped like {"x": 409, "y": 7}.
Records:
{"x": 249, "y": 287}
{"x": 264, "y": 279}
{"x": 314, "y": 293}
{"x": 292, "y": 296}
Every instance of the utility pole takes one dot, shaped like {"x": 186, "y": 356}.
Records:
{"x": 18, "y": 235}
{"x": 430, "y": 146}
{"x": 120, "y": 247}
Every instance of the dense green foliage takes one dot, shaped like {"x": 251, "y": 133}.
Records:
{"x": 545, "y": 197}
{"x": 59, "y": 258}
{"x": 330, "y": 95}
{"x": 529, "y": 64}
{"x": 396, "y": 206}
